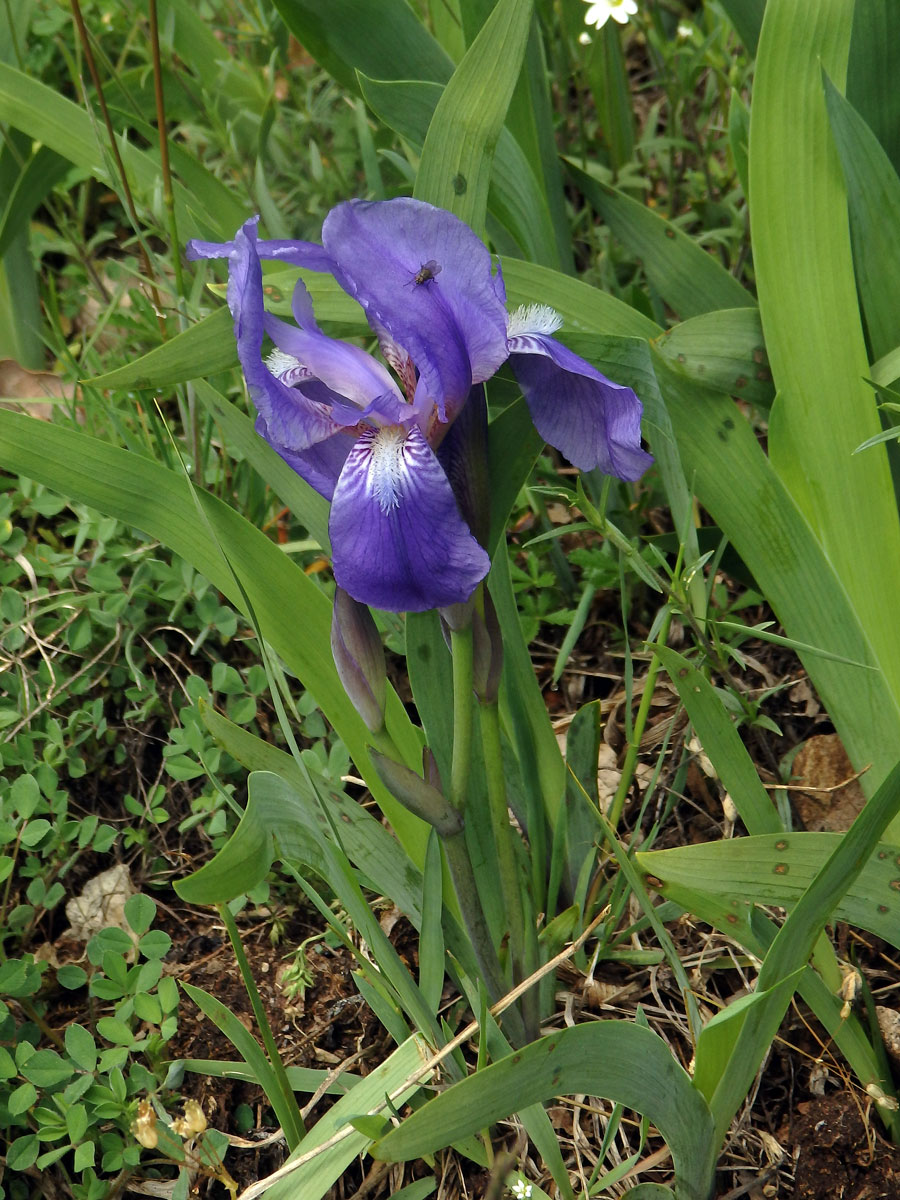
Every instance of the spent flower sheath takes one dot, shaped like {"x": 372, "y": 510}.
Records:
{"x": 368, "y": 440}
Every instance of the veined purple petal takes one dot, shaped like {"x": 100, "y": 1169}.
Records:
{"x": 593, "y": 421}
{"x": 293, "y": 419}
{"x": 196, "y": 248}
{"x": 302, "y": 307}
{"x": 398, "y": 541}
{"x": 342, "y": 367}
{"x": 422, "y": 274}
{"x": 321, "y": 464}
{"x": 297, "y": 254}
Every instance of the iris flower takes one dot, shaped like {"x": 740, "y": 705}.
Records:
{"x": 366, "y": 439}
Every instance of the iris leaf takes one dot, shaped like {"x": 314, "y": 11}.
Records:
{"x": 384, "y": 40}
{"x": 689, "y": 278}
{"x": 873, "y": 192}
{"x": 614, "y": 1059}
{"x": 455, "y": 169}
{"x": 810, "y": 316}
{"x": 722, "y": 350}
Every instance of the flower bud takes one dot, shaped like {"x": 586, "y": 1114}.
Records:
{"x": 487, "y": 651}
{"x": 359, "y": 658}
{"x": 417, "y": 795}
{"x": 463, "y": 455}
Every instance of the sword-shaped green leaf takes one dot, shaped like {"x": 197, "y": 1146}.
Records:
{"x": 873, "y": 193}
{"x": 384, "y": 40}
{"x": 615, "y": 1059}
{"x": 724, "y": 351}
{"x": 810, "y": 316}
{"x": 687, "y": 277}
{"x": 455, "y": 168}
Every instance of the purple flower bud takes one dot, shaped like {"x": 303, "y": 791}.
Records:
{"x": 359, "y": 658}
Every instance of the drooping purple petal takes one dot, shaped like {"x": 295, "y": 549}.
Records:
{"x": 422, "y": 274}
{"x": 593, "y": 421}
{"x": 398, "y": 541}
{"x": 321, "y": 464}
{"x": 196, "y": 248}
{"x": 293, "y": 419}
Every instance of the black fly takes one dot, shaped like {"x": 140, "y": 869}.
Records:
{"x": 427, "y": 272}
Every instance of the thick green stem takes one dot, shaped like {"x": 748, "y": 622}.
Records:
{"x": 476, "y": 927}
{"x": 503, "y": 834}
{"x": 514, "y": 902}
{"x": 455, "y": 848}
{"x": 461, "y": 648}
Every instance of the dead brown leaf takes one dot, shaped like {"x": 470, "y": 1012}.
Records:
{"x": 29, "y": 390}
{"x": 822, "y": 764}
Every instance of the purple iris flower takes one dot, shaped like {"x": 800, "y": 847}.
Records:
{"x": 366, "y": 439}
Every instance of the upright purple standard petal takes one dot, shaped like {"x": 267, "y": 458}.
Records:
{"x": 421, "y": 274}
{"x": 398, "y": 541}
{"x": 593, "y": 421}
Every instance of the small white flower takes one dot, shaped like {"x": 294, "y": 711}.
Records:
{"x": 685, "y": 31}
{"x": 585, "y": 38}
{"x": 600, "y": 11}
{"x": 521, "y": 1190}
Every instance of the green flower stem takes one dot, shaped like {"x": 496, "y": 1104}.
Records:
{"x": 489, "y": 715}
{"x": 510, "y": 878}
{"x": 461, "y": 649}
{"x": 482, "y": 943}
{"x": 640, "y": 723}
{"x": 293, "y": 1126}
{"x": 455, "y": 845}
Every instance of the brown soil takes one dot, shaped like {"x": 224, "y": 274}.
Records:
{"x": 840, "y": 1153}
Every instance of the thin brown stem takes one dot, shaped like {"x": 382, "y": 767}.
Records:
{"x": 168, "y": 193}
{"x": 120, "y": 166}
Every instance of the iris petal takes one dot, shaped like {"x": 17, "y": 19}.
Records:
{"x": 293, "y": 419}
{"x": 593, "y": 421}
{"x": 298, "y": 254}
{"x": 398, "y": 541}
{"x": 344, "y": 368}
{"x": 422, "y": 274}
{"x": 320, "y": 465}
